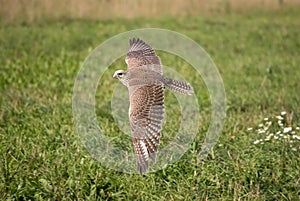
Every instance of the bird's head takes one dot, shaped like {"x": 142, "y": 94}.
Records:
{"x": 121, "y": 75}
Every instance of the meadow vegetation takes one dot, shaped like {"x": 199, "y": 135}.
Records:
{"x": 41, "y": 157}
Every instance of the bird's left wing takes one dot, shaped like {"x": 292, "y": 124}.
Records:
{"x": 146, "y": 116}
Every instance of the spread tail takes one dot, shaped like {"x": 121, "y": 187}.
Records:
{"x": 179, "y": 86}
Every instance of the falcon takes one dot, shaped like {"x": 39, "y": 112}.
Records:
{"x": 145, "y": 82}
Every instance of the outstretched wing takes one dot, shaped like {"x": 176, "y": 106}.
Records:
{"x": 141, "y": 54}
{"x": 146, "y": 116}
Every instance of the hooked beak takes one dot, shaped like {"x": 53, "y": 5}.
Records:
{"x": 115, "y": 76}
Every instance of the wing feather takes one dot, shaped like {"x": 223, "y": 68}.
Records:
{"x": 141, "y": 54}
{"x": 140, "y": 47}
{"x": 146, "y": 118}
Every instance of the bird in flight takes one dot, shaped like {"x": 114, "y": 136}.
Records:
{"x": 145, "y": 82}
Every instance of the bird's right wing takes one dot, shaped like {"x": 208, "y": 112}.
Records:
{"x": 141, "y": 54}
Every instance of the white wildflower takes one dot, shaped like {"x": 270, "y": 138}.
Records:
{"x": 256, "y": 142}
{"x": 296, "y": 137}
{"x": 260, "y": 125}
{"x": 287, "y": 129}
{"x": 297, "y": 128}
{"x": 261, "y": 131}
{"x": 266, "y": 119}
{"x": 283, "y": 113}
{"x": 279, "y": 117}
{"x": 249, "y": 129}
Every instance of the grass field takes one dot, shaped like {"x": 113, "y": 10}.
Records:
{"x": 41, "y": 157}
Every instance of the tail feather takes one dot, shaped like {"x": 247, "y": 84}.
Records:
{"x": 179, "y": 86}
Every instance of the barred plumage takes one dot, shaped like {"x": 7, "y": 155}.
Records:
{"x": 178, "y": 86}
{"x": 146, "y": 83}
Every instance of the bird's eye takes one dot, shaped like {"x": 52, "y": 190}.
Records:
{"x": 120, "y": 74}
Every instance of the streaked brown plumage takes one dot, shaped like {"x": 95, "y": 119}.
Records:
{"x": 145, "y": 82}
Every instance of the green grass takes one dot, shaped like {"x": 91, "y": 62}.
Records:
{"x": 41, "y": 156}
